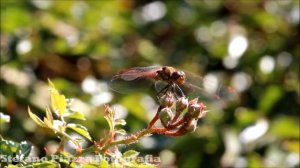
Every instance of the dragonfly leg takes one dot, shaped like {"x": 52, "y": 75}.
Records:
{"x": 178, "y": 88}
{"x": 174, "y": 90}
{"x": 155, "y": 118}
{"x": 164, "y": 90}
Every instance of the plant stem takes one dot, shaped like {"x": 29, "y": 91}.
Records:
{"x": 126, "y": 141}
{"x": 131, "y": 139}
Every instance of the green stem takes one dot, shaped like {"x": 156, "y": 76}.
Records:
{"x": 131, "y": 139}
{"x": 134, "y": 137}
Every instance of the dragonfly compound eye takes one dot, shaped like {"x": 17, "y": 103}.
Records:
{"x": 179, "y": 77}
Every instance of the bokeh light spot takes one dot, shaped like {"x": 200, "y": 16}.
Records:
{"x": 24, "y": 46}
{"x": 284, "y": 59}
{"x": 241, "y": 81}
{"x": 154, "y": 11}
{"x": 230, "y": 62}
{"x": 210, "y": 83}
{"x": 254, "y": 132}
{"x": 237, "y": 46}
{"x": 267, "y": 64}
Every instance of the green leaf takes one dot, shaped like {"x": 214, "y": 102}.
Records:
{"x": 130, "y": 154}
{"x": 90, "y": 165}
{"x": 281, "y": 127}
{"x": 74, "y": 114}
{"x": 35, "y": 118}
{"x": 58, "y": 101}
{"x": 15, "y": 149}
{"x": 49, "y": 115}
{"x": 110, "y": 122}
{"x": 8, "y": 147}
{"x": 4, "y": 118}
{"x": 48, "y": 124}
{"x": 23, "y": 150}
{"x": 80, "y": 129}
{"x": 46, "y": 164}
{"x": 103, "y": 164}
{"x": 120, "y": 131}
{"x": 120, "y": 122}
{"x": 269, "y": 98}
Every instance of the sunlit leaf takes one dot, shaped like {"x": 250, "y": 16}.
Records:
{"x": 74, "y": 114}
{"x": 58, "y": 101}
{"x": 80, "y": 129}
{"x": 120, "y": 122}
{"x": 103, "y": 163}
{"x": 4, "y": 118}
{"x": 49, "y": 115}
{"x": 120, "y": 131}
{"x": 35, "y": 118}
{"x": 130, "y": 154}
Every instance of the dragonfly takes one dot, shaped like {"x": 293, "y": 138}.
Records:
{"x": 162, "y": 79}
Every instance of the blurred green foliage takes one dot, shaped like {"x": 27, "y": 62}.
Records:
{"x": 80, "y": 45}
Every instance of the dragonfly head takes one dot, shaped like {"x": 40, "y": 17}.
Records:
{"x": 178, "y": 77}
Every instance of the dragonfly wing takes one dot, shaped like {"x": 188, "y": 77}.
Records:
{"x": 137, "y": 72}
{"x": 213, "y": 92}
{"x": 160, "y": 85}
{"x": 134, "y": 79}
{"x": 135, "y": 85}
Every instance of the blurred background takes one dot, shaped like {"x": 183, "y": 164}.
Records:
{"x": 252, "y": 46}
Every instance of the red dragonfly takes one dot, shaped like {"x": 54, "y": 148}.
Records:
{"x": 166, "y": 78}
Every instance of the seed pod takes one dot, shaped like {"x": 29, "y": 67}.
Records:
{"x": 165, "y": 115}
{"x": 191, "y": 126}
{"x": 167, "y": 100}
{"x": 194, "y": 110}
{"x": 181, "y": 104}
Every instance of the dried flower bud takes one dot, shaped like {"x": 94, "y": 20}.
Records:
{"x": 165, "y": 116}
{"x": 181, "y": 104}
{"x": 202, "y": 108}
{"x": 194, "y": 101}
{"x": 191, "y": 126}
{"x": 167, "y": 100}
{"x": 196, "y": 110}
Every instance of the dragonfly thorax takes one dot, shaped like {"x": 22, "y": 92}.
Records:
{"x": 171, "y": 75}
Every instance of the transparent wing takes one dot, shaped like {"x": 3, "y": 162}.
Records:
{"x": 137, "y": 85}
{"x": 134, "y": 79}
{"x": 137, "y": 72}
{"x": 208, "y": 90}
